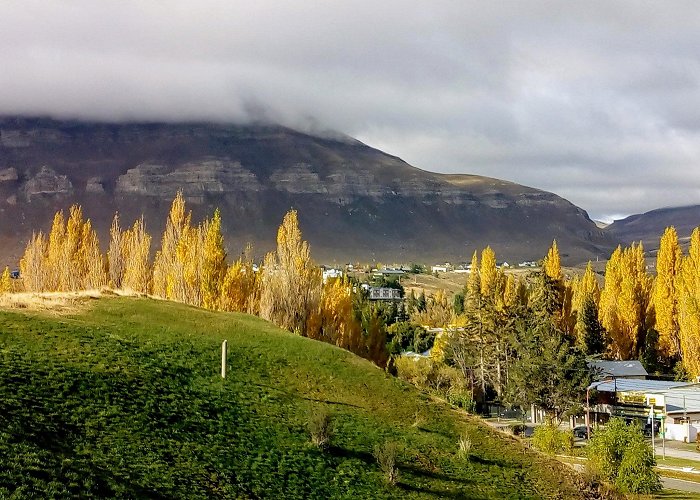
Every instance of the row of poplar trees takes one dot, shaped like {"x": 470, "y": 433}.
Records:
{"x": 528, "y": 339}
{"x": 191, "y": 267}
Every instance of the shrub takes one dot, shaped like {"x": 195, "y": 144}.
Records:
{"x": 436, "y": 377}
{"x": 386, "y": 455}
{"x": 462, "y": 400}
{"x": 620, "y": 454}
{"x": 464, "y": 446}
{"x": 517, "y": 429}
{"x": 636, "y": 473}
{"x": 320, "y": 428}
{"x": 550, "y": 439}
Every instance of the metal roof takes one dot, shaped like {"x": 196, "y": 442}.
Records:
{"x": 630, "y": 384}
{"x": 682, "y": 399}
{"x": 631, "y": 368}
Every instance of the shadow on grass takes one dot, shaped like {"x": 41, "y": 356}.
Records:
{"x": 439, "y": 492}
{"x": 294, "y": 395}
{"x": 488, "y": 461}
{"x": 411, "y": 471}
{"x": 418, "y": 471}
{"x": 365, "y": 457}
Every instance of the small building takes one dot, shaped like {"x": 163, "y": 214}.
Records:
{"x": 388, "y": 271}
{"x": 331, "y": 273}
{"x": 384, "y": 293}
{"x": 442, "y": 268}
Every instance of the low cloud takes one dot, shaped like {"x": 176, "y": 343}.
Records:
{"x": 595, "y": 101}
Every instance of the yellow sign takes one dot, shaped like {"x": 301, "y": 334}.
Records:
{"x": 632, "y": 398}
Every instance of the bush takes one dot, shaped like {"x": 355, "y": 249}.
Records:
{"x": 636, "y": 473}
{"x": 462, "y": 400}
{"x": 430, "y": 375}
{"x": 620, "y": 454}
{"x": 550, "y": 439}
{"x": 517, "y": 429}
{"x": 386, "y": 455}
{"x": 320, "y": 428}
{"x": 464, "y": 446}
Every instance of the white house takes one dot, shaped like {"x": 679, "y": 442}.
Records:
{"x": 442, "y": 268}
{"x": 331, "y": 273}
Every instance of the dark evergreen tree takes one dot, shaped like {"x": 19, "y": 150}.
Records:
{"x": 591, "y": 339}
{"x": 550, "y": 371}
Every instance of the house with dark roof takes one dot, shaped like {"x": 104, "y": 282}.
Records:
{"x": 603, "y": 369}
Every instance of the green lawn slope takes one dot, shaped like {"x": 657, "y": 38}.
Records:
{"x": 124, "y": 399}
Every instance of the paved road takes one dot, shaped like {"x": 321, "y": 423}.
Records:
{"x": 667, "y": 482}
{"x": 675, "y": 452}
{"x": 680, "y": 484}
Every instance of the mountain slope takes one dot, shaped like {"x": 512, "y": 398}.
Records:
{"x": 355, "y": 202}
{"x": 123, "y": 398}
{"x": 648, "y": 227}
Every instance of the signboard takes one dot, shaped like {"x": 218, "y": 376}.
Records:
{"x": 632, "y": 398}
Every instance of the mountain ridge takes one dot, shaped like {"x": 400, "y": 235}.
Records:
{"x": 356, "y": 203}
{"x": 648, "y": 227}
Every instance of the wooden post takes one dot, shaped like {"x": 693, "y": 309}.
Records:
{"x": 224, "y": 352}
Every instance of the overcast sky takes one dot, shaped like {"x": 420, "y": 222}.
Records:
{"x": 597, "y": 101}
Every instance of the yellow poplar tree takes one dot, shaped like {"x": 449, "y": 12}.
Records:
{"x": 291, "y": 283}
{"x": 91, "y": 260}
{"x": 488, "y": 271}
{"x": 167, "y": 270}
{"x": 33, "y": 265}
{"x": 665, "y": 295}
{"x": 73, "y": 264}
{"x": 5, "y": 281}
{"x": 214, "y": 265}
{"x": 586, "y": 287}
{"x": 552, "y": 263}
{"x": 338, "y": 325}
{"x": 115, "y": 253}
{"x": 55, "y": 258}
{"x": 689, "y": 307}
{"x": 510, "y": 295}
{"x": 473, "y": 286}
{"x": 136, "y": 249}
{"x": 189, "y": 259}
{"x": 607, "y": 308}
{"x": 240, "y": 290}
{"x": 625, "y": 302}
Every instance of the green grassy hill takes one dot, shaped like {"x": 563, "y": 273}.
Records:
{"x": 124, "y": 399}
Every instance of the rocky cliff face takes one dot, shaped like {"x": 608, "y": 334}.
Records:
{"x": 355, "y": 202}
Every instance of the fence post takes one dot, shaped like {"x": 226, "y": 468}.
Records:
{"x": 224, "y": 352}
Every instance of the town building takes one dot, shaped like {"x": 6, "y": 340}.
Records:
{"x": 384, "y": 293}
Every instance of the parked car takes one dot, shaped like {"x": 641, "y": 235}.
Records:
{"x": 581, "y": 432}
{"x": 647, "y": 429}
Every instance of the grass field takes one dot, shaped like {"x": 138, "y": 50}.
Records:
{"x": 122, "y": 397}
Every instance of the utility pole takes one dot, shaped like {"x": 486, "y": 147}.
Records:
{"x": 686, "y": 422}
{"x": 651, "y": 415}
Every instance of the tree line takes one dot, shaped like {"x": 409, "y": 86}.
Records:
{"x": 497, "y": 326}
{"x": 191, "y": 267}
{"x": 526, "y": 340}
